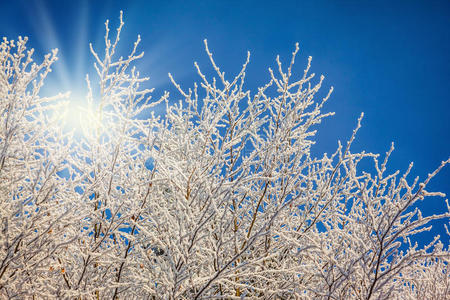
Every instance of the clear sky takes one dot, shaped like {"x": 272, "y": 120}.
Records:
{"x": 388, "y": 59}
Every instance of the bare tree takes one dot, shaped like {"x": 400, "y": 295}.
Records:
{"x": 219, "y": 197}
{"x": 35, "y": 202}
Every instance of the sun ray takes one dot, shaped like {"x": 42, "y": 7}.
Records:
{"x": 47, "y": 37}
{"x": 81, "y": 42}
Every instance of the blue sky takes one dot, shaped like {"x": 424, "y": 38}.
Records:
{"x": 388, "y": 59}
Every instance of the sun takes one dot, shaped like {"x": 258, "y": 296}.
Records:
{"x": 78, "y": 115}
{"x": 72, "y": 114}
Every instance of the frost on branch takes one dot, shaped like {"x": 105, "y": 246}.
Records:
{"x": 35, "y": 203}
{"x": 220, "y": 197}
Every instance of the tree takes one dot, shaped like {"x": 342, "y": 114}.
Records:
{"x": 220, "y": 197}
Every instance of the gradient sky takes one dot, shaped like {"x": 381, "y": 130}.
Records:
{"x": 388, "y": 59}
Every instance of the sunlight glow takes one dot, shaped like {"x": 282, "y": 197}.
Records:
{"x": 81, "y": 117}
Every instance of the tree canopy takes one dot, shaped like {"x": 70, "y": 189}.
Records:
{"x": 218, "y": 197}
